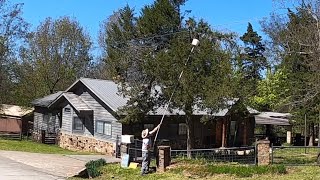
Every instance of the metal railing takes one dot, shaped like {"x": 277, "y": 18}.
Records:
{"x": 295, "y": 155}
{"x": 242, "y": 155}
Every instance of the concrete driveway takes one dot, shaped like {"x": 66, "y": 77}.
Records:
{"x": 24, "y": 165}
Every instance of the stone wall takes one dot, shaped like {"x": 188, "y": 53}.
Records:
{"x": 75, "y": 142}
{"x": 36, "y": 136}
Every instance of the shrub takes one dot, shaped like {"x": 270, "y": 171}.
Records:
{"x": 93, "y": 167}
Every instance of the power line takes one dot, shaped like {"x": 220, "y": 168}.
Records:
{"x": 119, "y": 42}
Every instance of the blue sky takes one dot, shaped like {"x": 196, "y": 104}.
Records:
{"x": 231, "y": 15}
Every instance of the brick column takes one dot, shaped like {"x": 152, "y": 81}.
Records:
{"x": 164, "y": 158}
{"x": 263, "y": 153}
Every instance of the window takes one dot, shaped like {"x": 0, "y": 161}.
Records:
{"x": 148, "y": 126}
{"x": 182, "y": 128}
{"x": 67, "y": 110}
{"x": 107, "y": 129}
{"x": 77, "y": 124}
{"x": 233, "y": 128}
{"x": 99, "y": 127}
{"x": 103, "y": 128}
{"x": 46, "y": 118}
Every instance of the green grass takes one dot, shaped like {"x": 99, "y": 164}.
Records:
{"x": 199, "y": 169}
{"x": 114, "y": 171}
{"x": 295, "y": 156}
{"x": 189, "y": 169}
{"x": 30, "y": 146}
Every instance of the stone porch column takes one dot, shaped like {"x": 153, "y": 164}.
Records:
{"x": 263, "y": 154}
{"x": 289, "y": 134}
{"x": 164, "y": 158}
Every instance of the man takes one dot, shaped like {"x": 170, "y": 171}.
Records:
{"x": 146, "y": 146}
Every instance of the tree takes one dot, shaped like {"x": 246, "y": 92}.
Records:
{"x": 115, "y": 36}
{"x": 252, "y": 62}
{"x": 297, "y": 41}
{"x": 58, "y": 53}
{"x": 12, "y": 33}
{"x": 272, "y": 92}
{"x": 161, "y": 44}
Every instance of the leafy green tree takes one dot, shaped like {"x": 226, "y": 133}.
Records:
{"x": 115, "y": 36}
{"x": 12, "y": 33}
{"x": 272, "y": 92}
{"x": 297, "y": 41}
{"x": 161, "y": 44}
{"x": 58, "y": 53}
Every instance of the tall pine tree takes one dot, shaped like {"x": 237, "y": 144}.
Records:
{"x": 252, "y": 62}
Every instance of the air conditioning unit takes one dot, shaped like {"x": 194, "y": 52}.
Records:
{"x": 127, "y": 139}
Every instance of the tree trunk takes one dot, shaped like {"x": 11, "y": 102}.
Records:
{"x": 190, "y": 131}
{"x": 311, "y": 129}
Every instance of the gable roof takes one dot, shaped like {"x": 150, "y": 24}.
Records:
{"x": 107, "y": 91}
{"x": 46, "y": 100}
{"x": 75, "y": 101}
{"x": 13, "y": 110}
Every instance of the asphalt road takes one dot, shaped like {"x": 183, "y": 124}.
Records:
{"x": 15, "y": 165}
{"x": 13, "y": 170}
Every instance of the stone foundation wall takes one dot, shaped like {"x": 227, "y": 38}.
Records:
{"x": 75, "y": 142}
{"x": 37, "y": 136}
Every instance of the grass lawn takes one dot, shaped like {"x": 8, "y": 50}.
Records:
{"x": 201, "y": 170}
{"x": 296, "y": 156}
{"x": 194, "y": 171}
{"x": 30, "y": 146}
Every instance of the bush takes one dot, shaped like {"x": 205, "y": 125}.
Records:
{"x": 93, "y": 167}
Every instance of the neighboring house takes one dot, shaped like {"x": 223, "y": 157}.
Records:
{"x": 45, "y": 121}
{"x": 88, "y": 120}
{"x": 15, "y": 119}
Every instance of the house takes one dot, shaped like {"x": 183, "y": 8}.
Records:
{"x": 15, "y": 119}
{"x": 46, "y": 121}
{"x": 87, "y": 119}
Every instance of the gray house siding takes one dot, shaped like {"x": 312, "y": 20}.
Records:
{"x": 101, "y": 113}
{"x": 45, "y": 120}
{"x": 67, "y": 119}
{"x": 67, "y": 122}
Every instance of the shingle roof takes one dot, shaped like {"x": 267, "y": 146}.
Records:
{"x": 46, "y": 100}
{"x": 108, "y": 92}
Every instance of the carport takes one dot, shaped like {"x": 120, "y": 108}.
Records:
{"x": 269, "y": 119}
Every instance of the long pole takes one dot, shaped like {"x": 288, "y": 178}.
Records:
{"x": 171, "y": 96}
